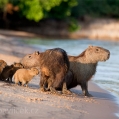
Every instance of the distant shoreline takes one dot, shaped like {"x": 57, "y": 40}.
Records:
{"x": 94, "y": 29}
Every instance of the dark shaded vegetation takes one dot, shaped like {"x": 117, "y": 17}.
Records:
{"x": 15, "y": 13}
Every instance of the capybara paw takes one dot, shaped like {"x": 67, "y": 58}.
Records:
{"x": 87, "y": 95}
{"x": 47, "y": 89}
{"x": 67, "y": 92}
{"x": 27, "y": 86}
{"x": 54, "y": 91}
{"x": 42, "y": 89}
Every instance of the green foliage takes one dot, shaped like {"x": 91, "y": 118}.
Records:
{"x": 39, "y": 9}
{"x": 63, "y": 10}
{"x": 31, "y": 9}
{"x": 73, "y": 25}
{"x": 48, "y": 4}
{"x": 3, "y": 3}
{"x": 97, "y": 8}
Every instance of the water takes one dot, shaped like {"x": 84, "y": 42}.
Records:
{"x": 107, "y": 75}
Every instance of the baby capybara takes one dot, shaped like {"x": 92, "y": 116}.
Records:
{"x": 53, "y": 64}
{"x": 9, "y": 71}
{"x": 3, "y": 64}
{"x": 83, "y": 67}
{"x": 25, "y": 75}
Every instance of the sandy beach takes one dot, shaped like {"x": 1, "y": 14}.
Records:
{"x": 29, "y": 103}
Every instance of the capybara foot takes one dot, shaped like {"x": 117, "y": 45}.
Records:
{"x": 47, "y": 89}
{"x": 42, "y": 89}
{"x": 27, "y": 86}
{"x": 87, "y": 95}
{"x": 67, "y": 92}
{"x": 54, "y": 91}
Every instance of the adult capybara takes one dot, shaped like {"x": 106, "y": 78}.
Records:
{"x": 83, "y": 67}
{"x": 3, "y": 64}
{"x": 53, "y": 64}
{"x": 25, "y": 75}
{"x": 9, "y": 71}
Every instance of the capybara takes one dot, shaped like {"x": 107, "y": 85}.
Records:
{"x": 3, "y": 64}
{"x": 9, "y": 71}
{"x": 25, "y": 75}
{"x": 83, "y": 67}
{"x": 53, "y": 65}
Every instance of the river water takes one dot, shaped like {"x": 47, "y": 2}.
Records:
{"x": 107, "y": 75}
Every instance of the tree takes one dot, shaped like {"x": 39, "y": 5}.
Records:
{"x": 39, "y": 9}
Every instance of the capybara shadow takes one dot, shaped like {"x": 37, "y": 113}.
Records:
{"x": 83, "y": 67}
{"x": 23, "y": 76}
{"x": 53, "y": 65}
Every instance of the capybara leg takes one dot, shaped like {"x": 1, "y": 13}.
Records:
{"x": 84, "y": 87}
{"x": 42, "y": 88}
{"x": 0, "y": 78}
{"x": 23, "y": 83}
{"x": 20, "y": 83}
{"x": 27, "y": 84}
{"x": 49, "y": 83}
{"x": 64, "y": 89}
{"x": 10, "y": 79}
{"x": 50, "y": 86}
{"x": 44, "y": 82}
{"x": 53, "y": 90}
{"x": 16, "y": 81}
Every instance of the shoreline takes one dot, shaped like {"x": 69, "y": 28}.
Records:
{"x": 102, "y": 105}
{"x": 111, "y": 93}
{"x": 91, "y": 28}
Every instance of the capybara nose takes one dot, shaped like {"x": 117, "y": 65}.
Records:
{"x": 108, "y": 54}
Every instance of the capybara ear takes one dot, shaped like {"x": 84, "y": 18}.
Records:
{"x": 12, "y": 65}
{"x": 37, "y": 52}
{"x": 90, "y": 46}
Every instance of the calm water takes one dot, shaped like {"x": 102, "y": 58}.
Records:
{"x": 107, "y": 75}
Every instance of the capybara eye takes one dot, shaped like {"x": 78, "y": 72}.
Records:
{"x": 29, "y": 56}
{"x": 97, "y": 49}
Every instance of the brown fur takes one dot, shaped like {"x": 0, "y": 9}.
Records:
{"x": 25, "y": 75}
{"x": 53, "y": 64}
{"x": 3, "y": 64}
{"x": 9, "y": 71}
{"x": 83, "y": 67}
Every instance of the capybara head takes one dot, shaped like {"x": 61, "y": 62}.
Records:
{"x": 31, "y": 60}
{"x": 95, "y": 54}
{"x": 34, "y": 71}
{"x": 18, "y": 65}
{"x": 3, "y": 64}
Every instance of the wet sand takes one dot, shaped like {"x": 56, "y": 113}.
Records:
{"x": 29, "y": 103}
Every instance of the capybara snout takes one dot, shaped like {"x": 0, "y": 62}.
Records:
{"x": 35, "y": 71}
